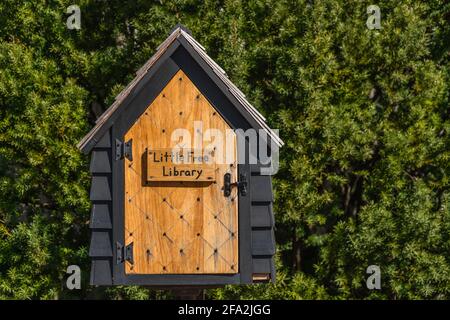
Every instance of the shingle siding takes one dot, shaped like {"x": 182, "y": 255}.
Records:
{"x": 261, "y": 188}
{"x": 100, "y": 162}
{"x": 100, "y": 188}
{"x": 101, "y": 272}
{"x": 262, "y": 215}
{"x": 105, "y": 141}
{"x": 263, "y": 243}
{"x": 263, "y": 223}
{"x": 101, "y": 217}
{"x": 101, "y": 245}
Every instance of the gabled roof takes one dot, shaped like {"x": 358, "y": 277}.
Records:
{"x": 178, "y": 34}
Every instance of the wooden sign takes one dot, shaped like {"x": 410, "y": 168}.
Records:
{"x": 180, "y": 165}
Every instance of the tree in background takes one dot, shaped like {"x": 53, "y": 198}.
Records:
{"x": 364, "y": 179}
{"x": 364, "y": 113}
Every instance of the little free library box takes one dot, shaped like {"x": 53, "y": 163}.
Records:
{"x": 180, "y": 197}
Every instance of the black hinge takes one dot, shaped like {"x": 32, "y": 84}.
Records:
{"x": 129, "y": 253}
{"x": 124, "y": 253}
{"x": 124, "y": 150}
{"x": 241, "y": 184}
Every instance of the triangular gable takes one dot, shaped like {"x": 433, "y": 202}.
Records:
{"x": 179, "y": 37}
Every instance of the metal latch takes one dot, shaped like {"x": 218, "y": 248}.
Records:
{"x": 124, "y": 150}
{"x": 241, "y": 184}
{"x": 124, "y": 253}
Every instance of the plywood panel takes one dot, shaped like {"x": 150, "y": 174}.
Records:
{"x": 181, "y": 227}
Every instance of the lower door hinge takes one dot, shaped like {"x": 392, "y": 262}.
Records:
{"x": 124, "y": 253}
{"x": 124, "y": 150}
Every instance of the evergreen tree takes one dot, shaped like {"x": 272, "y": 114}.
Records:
{"x": 364, "y": 113}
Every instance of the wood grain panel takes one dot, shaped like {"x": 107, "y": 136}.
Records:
{"x": 181, "y": 227}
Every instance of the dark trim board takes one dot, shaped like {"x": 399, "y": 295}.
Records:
{"x": 118, "y": 210}
{"x": 177, "y": 279}
{"x": 244, "y": 211}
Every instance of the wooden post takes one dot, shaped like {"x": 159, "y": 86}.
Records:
{"x": 188, "y": 294}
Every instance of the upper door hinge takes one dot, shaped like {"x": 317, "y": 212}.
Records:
{"x": 124, "y": 150}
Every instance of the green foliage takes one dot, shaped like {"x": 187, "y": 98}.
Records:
{"x": 43, "y": 198}
{"x": 364, "y": 175}
{"x": 298, "y": 286}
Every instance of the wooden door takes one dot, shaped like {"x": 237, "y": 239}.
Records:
{"x": 180, "y": 227}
